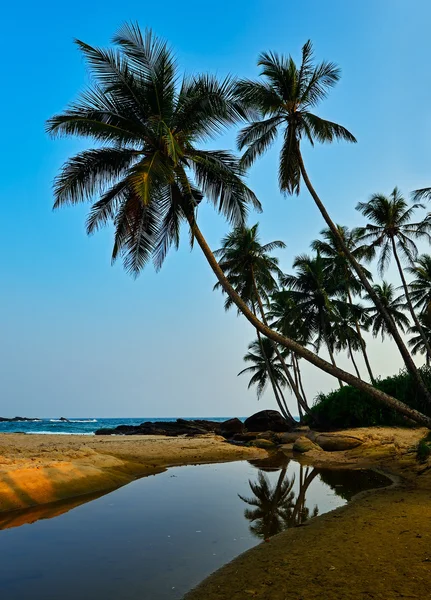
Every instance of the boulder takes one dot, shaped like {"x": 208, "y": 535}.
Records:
{"x": 264, "y": 444}
{"x": 231, "y": 427}
{"x": 332, "y": 442}
{"x": 289, "y": 437}
{"x": 247, "y": 436}
{"x": 267, "y": 420}
{"x": 303, "y": 444}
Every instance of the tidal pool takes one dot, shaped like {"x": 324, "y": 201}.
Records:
{"x": 159, "y": 536}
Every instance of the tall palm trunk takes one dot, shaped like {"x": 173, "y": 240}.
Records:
{"x": 409, "y": 302}
{"x": 290, "y": 344}
{"x": 277, "y": 351}
{"x": 272, "y": 380}
{"x": 362, "y": 342}
{"x": 280, "y": 391}
{"x": 352, "y": 358}
{"x": 295, "y": 376}
{"x": 408, "y": 360}
{"x": 298, "y": 369}
{"x": 331, "y": 356}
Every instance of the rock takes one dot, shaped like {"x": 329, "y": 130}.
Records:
{"x": 289, "y": 437}
{"x": 231, "y": 427}
{"x": 16, "y": 419}
{"x": 303, "y": 444}
{"x": 264, "y": 444}
{"x": 247, "y": 436}
{"x": 267, "y": 420}
{"x": 168, "y": 428}
{"x": 333, "y": 442}
{"x": 64, "y": 420}
{"x": 267, "y": 435}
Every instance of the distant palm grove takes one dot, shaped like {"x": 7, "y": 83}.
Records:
{"x": 149, "y": 170}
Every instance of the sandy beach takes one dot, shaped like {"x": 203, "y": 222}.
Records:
{"x": 36, "y": 470}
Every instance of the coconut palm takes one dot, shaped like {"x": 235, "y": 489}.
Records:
{"x": 148, "y": 170}
{"x": 314, "y": 294}
{"x": 341, "y": 269}
{"x": 420, "y": 286}
{"x": 282, "y": 101}
{"x": 345, "y": 320}
{"x": 391, "y": 229}
{"x": 265, "y": 368}
{"x": 394, "y": 307}
{"x": 253, "y": 272}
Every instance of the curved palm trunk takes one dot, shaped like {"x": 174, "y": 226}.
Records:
{"x": 331, "y": 356}
{"x": 290, "y": 344}
{"x": 362, "y": 342}
{"x": 409, "y": 302}
{"x": 353, "y": 359}
{"x": 278, "y": 353}
{"x": 408, "y": 360}
{"x": 295, "y": 375}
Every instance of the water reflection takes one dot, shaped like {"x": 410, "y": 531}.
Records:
{"x": 278, "y": 507}
{"x": 283, "y": 505}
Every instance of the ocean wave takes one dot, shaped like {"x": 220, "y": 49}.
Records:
{"x": 73, "y": 421}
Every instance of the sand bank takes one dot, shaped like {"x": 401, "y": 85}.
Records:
{"x": 39, "y": 469}
{"x": 376, "y": 547}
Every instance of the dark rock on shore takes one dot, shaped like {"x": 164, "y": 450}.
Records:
{"x": 231, "y": 427}
{"x": 169, "y": 428}
{"x": 16, "y": 419}
{"x": 267, "y": 420}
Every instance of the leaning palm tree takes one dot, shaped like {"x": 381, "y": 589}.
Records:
{"x": 283, "y": 101}
{"x": 254, "y": 273}
{"x": 266, "y": 368}
{"x": 394, "y": 307}
{"x": 391, "y": 229}
{"x": 341, "y": 269}
{"x": 420, "y": 286}
{"x": 148, "y": 170}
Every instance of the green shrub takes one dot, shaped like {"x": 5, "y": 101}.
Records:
{"x": 349, "y": 407}
{"x": 423, "y": 450}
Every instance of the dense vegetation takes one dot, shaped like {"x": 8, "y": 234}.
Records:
{"x": 149, "y": 170}
{"x": 349, "y": 407}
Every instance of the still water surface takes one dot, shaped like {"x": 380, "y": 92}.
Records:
{"x": 158, "y": 537}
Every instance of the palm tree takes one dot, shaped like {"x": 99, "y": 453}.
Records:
{"x": 284, "y": 101}
{"x": 391, "y": 229}
{"x": 147, "y": 168}
{"x": 313, "y": 293}
{"x": 394, "y": 307}
{"x": 416, "y": 342}
{"x": 344, "y": 321}
{"x": 420, "y": 287}
{"x": 253, "y": 273}
{"x": 264, "y": 367}
{"x": 341, "y": 270}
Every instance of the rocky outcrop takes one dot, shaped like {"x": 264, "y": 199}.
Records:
{"x": 16, "y": 419}
{"x": 231, "y": 427}
{"x": 267, "y": 420}
{"x": 303, "y": 445}
{"x": 334, "y": 442}
{"x": 168, "y": 428}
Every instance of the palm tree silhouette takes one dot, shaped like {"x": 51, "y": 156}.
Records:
{"x": 282, "y": 101}
{"x": 394, "y": 307}
{"x": 391, "y": 229}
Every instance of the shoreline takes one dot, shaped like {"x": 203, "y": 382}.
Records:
{"x": 374, "y": 547}
{"x": 43, "y": 469}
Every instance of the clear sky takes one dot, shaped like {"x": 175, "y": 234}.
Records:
{"x": 79, "y": 337}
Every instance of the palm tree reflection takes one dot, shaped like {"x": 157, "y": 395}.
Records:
{"x": 276, "y": 508}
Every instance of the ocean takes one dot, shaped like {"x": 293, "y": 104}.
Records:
{"x": 84, "y": 426}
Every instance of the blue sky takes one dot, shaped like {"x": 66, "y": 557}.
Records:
{"x": 80, "y": 337}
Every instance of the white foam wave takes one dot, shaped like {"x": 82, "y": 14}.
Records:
{"x": 74, "y": 421}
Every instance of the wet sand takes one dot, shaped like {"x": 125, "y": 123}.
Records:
{"x": 37, "y": 470}
{"x": 376, "y": 547}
